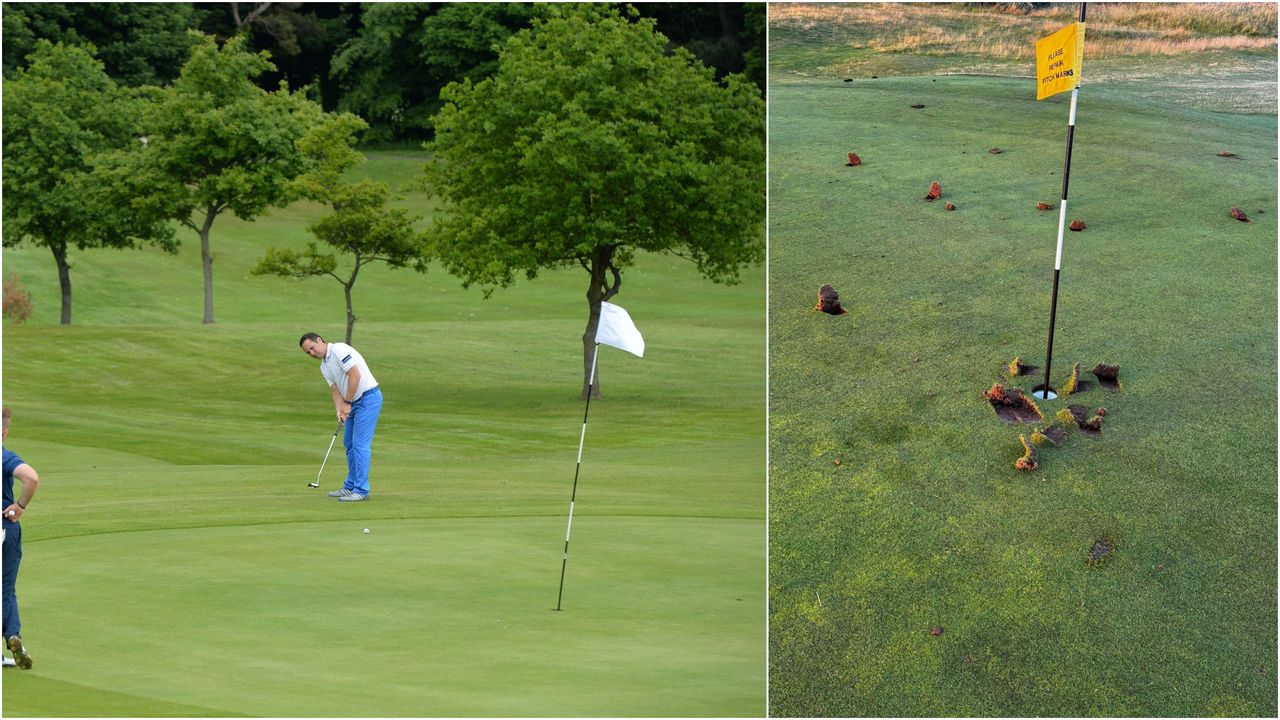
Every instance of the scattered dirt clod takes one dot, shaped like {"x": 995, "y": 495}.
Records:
{"x": 935, "y": 631}
{"x": 951, "y": 206}
{"x": 918, "y": 106}
{"x": 1224, "y": 153}
{"x": 1238, "y": 214}
{"x": 854, "y": 160}
{"x": 1074, "y": 384}
{"x": 1077, "y": 225}
{"x": 829, "y": 301}
{"x": 995, "y": 151}
{"x": 1043, "y": 206}
{"x": 935, "y": 191}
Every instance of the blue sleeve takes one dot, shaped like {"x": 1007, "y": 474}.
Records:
{"x": 11, "y": 463}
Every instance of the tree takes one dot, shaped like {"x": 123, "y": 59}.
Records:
{"x": 222, "y": 143}
{"x": 591, "y": 143}
{"x": 361, "y": 223}
{"x": 70, "y": 136}
{"x": 138, "y": 43}
{"x": 441, "y": 42}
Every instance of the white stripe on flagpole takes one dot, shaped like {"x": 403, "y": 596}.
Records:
{"x": 1072, "y": 119}
{"x": 568, "y": 529}
{"x": 1062, "y": 221}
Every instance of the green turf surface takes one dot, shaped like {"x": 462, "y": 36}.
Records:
{"x": 925, "y": 523}
{"x": 176, "y": 564}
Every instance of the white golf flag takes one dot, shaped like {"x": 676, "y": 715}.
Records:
{"x": 617, "y": 330}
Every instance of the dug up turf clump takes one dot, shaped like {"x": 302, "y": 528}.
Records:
{"x": 1028, "y": 460}
{"x": 1011, "y": 405}
{"x": 1054, "y": 435}
{"x": 1108, "y": 376}
{"x": 829, "y": 301}
{"x": 1017, "y": 368}
{"x": 1073, "y": 383}
{"x": 1078, "y": 414}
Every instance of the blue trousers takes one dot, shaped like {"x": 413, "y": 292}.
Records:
{"x": 12, "y": 556}
{"x": 357, "y": 437}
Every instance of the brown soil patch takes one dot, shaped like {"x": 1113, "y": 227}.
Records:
{"x": 951, "y": 206}
{"x": 1054, "y": 435}
{"x": 829, "y": 301}
{"x": 935, "y": 191}
{"x": 1224, "y": 153}
{"x": 1108, "y": 376}
{"x": 1012, "y": 406}
{"x": 1238, "y": 214}
{"x": 1100, "y": 551}
{"x": 1043, "y": 206}
{"x": 1077, "y": 225}
{"x": 1079, "y": 414}
{"x": 1074, "y": 384}
{"x": 995, "y": 151}
{"x": 854, "y": 160}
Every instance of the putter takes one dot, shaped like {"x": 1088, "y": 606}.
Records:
{"x": 336, "y": 430}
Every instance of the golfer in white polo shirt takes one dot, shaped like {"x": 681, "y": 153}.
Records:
{"x": 358, "y": 402}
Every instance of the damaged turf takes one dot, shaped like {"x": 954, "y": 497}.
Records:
{"x": 829, "y": 301}
{"x": 1028, "y": 460}
{"x": 1054, "y": 435}
{"x": 1016, "y": 367}
{"x": 1108, "y": 376}
{"x": 1074, "y": 384}
{"x": 1079, "y": 414}
{"x": 1011, "y": 405}
{"x": 1100, "y": 551}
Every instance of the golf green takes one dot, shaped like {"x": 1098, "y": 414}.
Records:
{"x": 175, "y": 563}
{"x": 913, "y": 570}
{"x": 443, "y": 617}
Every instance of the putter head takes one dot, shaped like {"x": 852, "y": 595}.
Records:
{"x": 313, "y": 484}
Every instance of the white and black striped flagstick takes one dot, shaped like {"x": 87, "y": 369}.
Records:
{"x": 1042, "y": 392}
{"x": 564, "y": 562}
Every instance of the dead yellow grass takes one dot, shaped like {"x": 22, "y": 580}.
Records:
{"x": 1115, "y": 30}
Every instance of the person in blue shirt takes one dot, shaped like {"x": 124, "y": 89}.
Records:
{"x": 12, "y": 511}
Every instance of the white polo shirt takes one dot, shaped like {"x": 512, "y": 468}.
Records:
{"x": 341, "y": 358}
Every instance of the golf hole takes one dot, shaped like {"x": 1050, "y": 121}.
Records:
{"x": 1040, "y": 393}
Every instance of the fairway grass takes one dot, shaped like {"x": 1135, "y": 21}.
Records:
{"x": 925, "y": 522}
{"x": 177, "y": 565}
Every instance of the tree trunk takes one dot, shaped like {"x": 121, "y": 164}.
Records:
{"x": 351, "y": 318}
{"x": 207, "y": 259}
{"x": 64, "y": 278}
{"x": 346, "y": 288}
{"x": 598, "y": 291}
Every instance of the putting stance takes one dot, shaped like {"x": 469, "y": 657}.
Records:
{"x": 13, "y": 510}
{"x": 358, "y": 402}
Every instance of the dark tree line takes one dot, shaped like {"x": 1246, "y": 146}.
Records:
{"x": 385, "y": 62}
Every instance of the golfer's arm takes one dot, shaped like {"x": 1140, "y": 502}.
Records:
{"x": 30, "y": 480}
{"x": 353, "y": 382}
{"x": 337, "y": 397}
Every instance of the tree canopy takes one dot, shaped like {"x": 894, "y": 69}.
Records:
{"x": 221, "y": 143}
{"x": 592, "y": 142}
{"x": 361, "y": 225}
{"x": 71, "y": 136}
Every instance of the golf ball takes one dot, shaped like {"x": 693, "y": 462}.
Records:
{"x": 366, "y": 531}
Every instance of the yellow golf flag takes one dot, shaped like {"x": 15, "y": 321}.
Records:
{"x": 1058, "y": 59}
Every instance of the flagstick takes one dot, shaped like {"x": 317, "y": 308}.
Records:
{"x": 573, "y": 496}
{"x": 1062, "y": 221}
